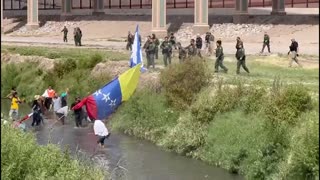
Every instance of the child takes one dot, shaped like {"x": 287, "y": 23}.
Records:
{"x": 15, "y": 101}
{"x": 101, "y": 131}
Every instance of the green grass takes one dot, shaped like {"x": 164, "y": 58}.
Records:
{"x": 64, "y": 53}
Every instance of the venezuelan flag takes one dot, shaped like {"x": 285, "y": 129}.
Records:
{"x": 104, "y": 101}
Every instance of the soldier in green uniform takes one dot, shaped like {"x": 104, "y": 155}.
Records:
{"x": 151, "y": 52}
{"x": 75, "y": 36}
{"x": 182, "y": 53}
{"x": 173, "y": 40}
{"x": 239, "y": 43}
{"x": 65, "y": 34}
{"x": 145, "y": 47}
{"x": 220, "y": 57}
{"x": 79, "y": 34}
{"x": 241, "y": 58}
{"x": 166, "y": 51}
{"x": 192, "y": 49}
{"x": 266, "y": 42}
{"x": 157, "y": 43}
{"x": 129, "y": 41}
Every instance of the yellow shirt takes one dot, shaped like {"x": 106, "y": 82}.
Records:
{"x": 14, "y": 103}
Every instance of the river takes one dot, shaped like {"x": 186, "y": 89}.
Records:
{"x": 138, "y": 159}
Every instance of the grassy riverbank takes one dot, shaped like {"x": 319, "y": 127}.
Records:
{"x": 23, "y": 158}
{"x": 262, "y": 129}
{"x": 71, "y": 70}
{"x": 263, "y": 125}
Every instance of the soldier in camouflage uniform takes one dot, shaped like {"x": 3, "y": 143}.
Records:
{"x": 150, "y": 49}
{"x": 182, "y": 53}
{"x": 173, "y": 40}
{"x": 220, "y": 57}
{"x": 266, "y": 42}
{"x": 75, "y": 37}
{"x": 79, "y": 36}
{"x": 145, "y": 47}
{"x": 241, "y": 58}
{"x": 192, "y": 49}
{"x": 199, "y": 45}
{"x": 166, "y": 51}
{"x": 157, "y": 43}
{"x": 239, "y": 43}
{"x": 129, "y": 41}
{"x": 65, "y": 34}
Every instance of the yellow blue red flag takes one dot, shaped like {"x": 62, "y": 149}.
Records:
{"x": 104, "y": 101}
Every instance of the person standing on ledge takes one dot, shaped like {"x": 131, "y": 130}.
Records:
{"x": 266, "y": 42}
{"x": 65, "y": 34}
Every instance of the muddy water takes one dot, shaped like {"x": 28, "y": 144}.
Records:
{"x": 126, "y": 157}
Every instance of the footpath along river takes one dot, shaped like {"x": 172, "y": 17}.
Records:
{"x": 141, "y": 159}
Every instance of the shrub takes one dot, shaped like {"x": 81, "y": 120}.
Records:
{"x": 145, "y": 115}
{"x": 63, "y": 67}
{"x": 233, "y": 141}
{"x": 186, "y": 136}
{"x": 302, "y": 160}
{"x": 286, "y": 104}
{"x": 22, "y": 158}
{"x": 223, "y": 99}
{"x": 91, "y": 62}
{"x": 253, "y": 99}
{"x": 183, "y": 81}
{"x": 9, "y": 78}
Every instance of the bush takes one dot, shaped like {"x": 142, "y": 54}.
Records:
{"x": 63, "y": 67}
{"x": 286, "y": 104}
{"x": 302, "y": 160}
{"x": 90, "y": 62}
{"x": 22, "y": 158}
{"x": 253, "y": 99}
{"x": 186, "y": 136}
{"x": 223, "y": 99}
{"x": 233, "y": 141}
{"x": 146, "y": 115}
{"x": 183, "y": 81}
{"x": 9, "y": 78}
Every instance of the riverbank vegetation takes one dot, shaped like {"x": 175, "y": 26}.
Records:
{"x": 72, "y": 68}
{"x": 23, "y": 158}
{"x": 263, "y": 125}
{"x": 261, "y": 129}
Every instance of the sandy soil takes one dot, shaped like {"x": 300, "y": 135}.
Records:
{"x": 110, "y": 32}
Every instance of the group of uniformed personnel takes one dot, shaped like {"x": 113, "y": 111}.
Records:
{"x": 151, "y": 47}
{"x": 77, "y": 35}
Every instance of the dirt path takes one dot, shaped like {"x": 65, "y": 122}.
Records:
{"x": 252, "y": 48}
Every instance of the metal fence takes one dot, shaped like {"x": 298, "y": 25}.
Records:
{"x": 147, "y": 4}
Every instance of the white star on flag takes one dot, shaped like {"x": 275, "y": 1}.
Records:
{"x": 98, "y": 92}
{"x": 113, "y": 103}
{"x": 106, "y": 97}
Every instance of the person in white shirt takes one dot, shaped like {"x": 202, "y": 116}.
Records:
{"x": 101, "y": 131}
